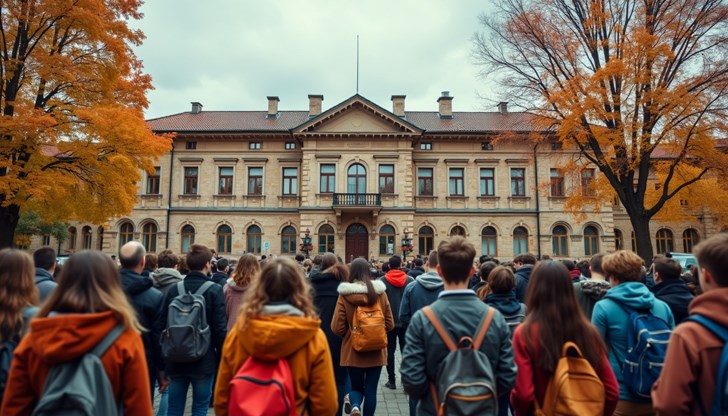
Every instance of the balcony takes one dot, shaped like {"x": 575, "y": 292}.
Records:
{"x": 357, "y": 200}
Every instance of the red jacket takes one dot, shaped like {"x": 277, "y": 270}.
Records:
{"x": 531, "y": 382}
{"x": 66, "y": 337}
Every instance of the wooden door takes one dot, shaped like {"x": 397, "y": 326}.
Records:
{"x": 357, "y": 242}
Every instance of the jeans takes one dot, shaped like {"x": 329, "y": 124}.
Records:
{"x": 397, "y": 332}
{"x": 413, "y": 406}
{"x": 343, "y": 385}
{"x": 364, "y": 382}
{"x": 163, "y": 402}
{"x": 201, "y": 394}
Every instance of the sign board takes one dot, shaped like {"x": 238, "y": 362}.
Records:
{"x": 266, "y": 245}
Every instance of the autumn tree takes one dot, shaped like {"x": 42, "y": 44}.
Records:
{"x": 619, "y": 81}
{"x": 72, "y": 133}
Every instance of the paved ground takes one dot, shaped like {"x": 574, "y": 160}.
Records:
{"x": 389, "y": 402}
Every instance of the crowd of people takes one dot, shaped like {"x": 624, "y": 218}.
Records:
{"x": 311, "y": 336}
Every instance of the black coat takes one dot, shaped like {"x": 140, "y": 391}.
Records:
{"x": 523, "y": 276}
{"x": 148, "y": 303}
{"x": 325, "y": 295}
{"x": 676, "y": 294}
{"x": 220, "y": 278}
{"x": 216, "y": 319}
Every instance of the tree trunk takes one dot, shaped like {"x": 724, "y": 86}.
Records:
{"x": 643, "y": 237}
{"x": 9, "y": 217}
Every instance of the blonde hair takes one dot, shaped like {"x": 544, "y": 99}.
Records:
{"x": 246, "y": 270}
{"x": 626, "y": 266}
{"x": 280, "y": 281}
{"x": 90, "y": 283}
{"x": 17, "y": 290}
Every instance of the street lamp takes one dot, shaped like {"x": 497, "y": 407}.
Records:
{"x": 406, "y": 245}
{"x": 306, "y": 246}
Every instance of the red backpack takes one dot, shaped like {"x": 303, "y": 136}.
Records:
{"x": 262, "y": 388}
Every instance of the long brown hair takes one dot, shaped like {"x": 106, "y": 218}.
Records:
{"x": 17, "y": 290}
{"x": 90, "y": 283}
{"x": 280, "y": 281}
{"x": 553, "y": 308}
{"x": 331, "y": 264}
{"x": 246, "y": 270}
{"x": 360, "y": 271}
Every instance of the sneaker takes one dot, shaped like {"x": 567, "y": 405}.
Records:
{"x": 347, "y": 405}
{"x": 355, "y": 411}
{"x": 391, "y": 385}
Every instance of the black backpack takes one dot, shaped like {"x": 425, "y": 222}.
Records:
{"x": 8, "y": 348}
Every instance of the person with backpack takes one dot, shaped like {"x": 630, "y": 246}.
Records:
{"x": 86, "y": 352}
{"x": 671, "y": 288}
{"x": 589, "y": 292}
{"x": 196, "y": 326}
{"x": 18, "y": 300}
{"x": 501, "y": 296}
{"x": 635, "y": 326}
{"x": 167, "y": 275}
{"x": 276, "y": 359}
{"x": 523, "y": 264}
{"x": 45, "y": 265}
{"x": 362, "y": 318}
{"x": 446, "y": 347}
{"x": 555, "y": 320}
{"x": 694, "y": 379}
{"x": 396, "y": 281}
{"x": 246, "y": 271}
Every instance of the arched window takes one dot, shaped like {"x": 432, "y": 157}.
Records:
{"x": 356, "y": 179}
{"x": 126, "y": 233}
{"x": 559, "y": 241}
{"x": 72, "y": 238}
{"x": 326, "y": 238}
{"x": 288, "y": 240}
{"x": 425, "y": 240}
{"x": 100, "y": 241}
{"x": 457, "y": 230}
{"x": 187, "y": 237}
{"x": 86, "y": 237}
{"x": 149, "y": 237}
{"x": 690, "y": 239}
{"x": 224, "y": 239}
{"x": 591, "y": 240}
{"x": 255, "y": 237}
{"x": 386, "y": 240}
{"x": 489, "y": 239}
{"x": 665, "y": 241}
{"x": 520, "y": 241}
{"x": 618, "y": 240}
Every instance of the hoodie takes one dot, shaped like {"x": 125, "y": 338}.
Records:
{"x": 165, "y": 277}
{"x": 234, "y": 296}
{"x": 396, "y": 280}
{"x": 45, "y": 283}
{"x": 523, "y": 276}
{"x": 611, "y": 318}
{"x": 422, "y": 292}
{"x": 67, "y": 337}
{"x": 282, "y": 332}
{"x": 588, "y": 292}
{"x": 676, "y": 294}
{"x": 506, "y": 303}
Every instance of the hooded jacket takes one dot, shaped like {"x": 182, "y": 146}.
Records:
{"x": 281, "y": 331}
{"x": 352, "y": 295}
{"x": 220, "y": 278}
{"x": 676, "y": 294}
{"x": 148, "y": 303}
{"x": 396, "y": 281}
{"x": 64, "y": 338}
{"x": 523, "y": 276}
{"x": 589, "y": 292}
{"x": 44, "y": 282}
{"x": 694, "y": 354}
{"x": 611, "y": 317}
{"x": 165, "y": 277}
{"x": 416, "y": 272}
{"x": 418, "y": 294}
{"x": 234, "y": 296}
{"x": 325, "y": 296}
{"x": 506, "y": 303}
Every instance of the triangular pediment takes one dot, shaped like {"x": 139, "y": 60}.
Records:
{"x": 357, "y": 115}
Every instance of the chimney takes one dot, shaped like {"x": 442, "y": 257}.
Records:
{"x": 196, "y": 107}
{"x": 398, "y": 105}
{"x": 503, "y": 107}
{"x": 314, "y": 105}
{"x": 273, "y": 106}
{"x": 445, "y": 102}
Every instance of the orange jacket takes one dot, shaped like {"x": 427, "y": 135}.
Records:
{"x": 63, "y": 338}
{"x": 275, "y": 335}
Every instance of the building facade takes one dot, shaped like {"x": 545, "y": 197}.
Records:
{"x": 358, "y": 179}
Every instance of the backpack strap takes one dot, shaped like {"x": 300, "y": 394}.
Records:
{"x": 108, "y": 340}
{"x": 484, "y": 325}
{"x": 720, "y": 384}
{"x": 181, "y": 288}
{"x": 430, "y": 314}
{"x": 202, "y": 289}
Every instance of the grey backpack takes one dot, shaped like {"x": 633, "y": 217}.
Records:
{"x": 187, "y": 336}
{"x": 81, "y": 387}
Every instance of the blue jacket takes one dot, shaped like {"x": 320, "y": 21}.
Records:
{"x": 523, "y": 275}
{"x": 418, "y": 294}
{"x": 45, "y": 283}
{"x": 611, "y": 317}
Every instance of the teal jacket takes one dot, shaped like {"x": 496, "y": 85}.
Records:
{"x": 611, "y": 317}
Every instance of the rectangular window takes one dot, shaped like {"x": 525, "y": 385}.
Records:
{"x": 386, "y": 179}
{"x": 290, "y": 145}
{"x": 457, "y": 176}
{"x": 424, "y": 181}
{"x": 255, "y": 181}
{"x": 556, "y": 146}
{"x": 557, "y": 182}
{"x": 486, "y": 146}
{"x": 190, "y": 181}
{"x": 328, "y": 179}
{"x": 587, "y": 180}
{"x": 226, "y": 181}
{"x": 518, "y": 182}
{"x": 290, "y": 181}
{"x": 425, "y": 146}
{"x": 153, "y": 181}
{"x": 487, "y": 182}
{"x": 191, "y": 145}
{"x": 254, "y": 146}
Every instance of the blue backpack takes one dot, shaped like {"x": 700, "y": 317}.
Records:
{"x": 647, "y": 339}
{"x": 720, "y": 397}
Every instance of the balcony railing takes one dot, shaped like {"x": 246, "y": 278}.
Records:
{"x": 358, "y": 200}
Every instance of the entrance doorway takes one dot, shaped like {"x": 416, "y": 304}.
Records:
{"x": 357, "y": 242}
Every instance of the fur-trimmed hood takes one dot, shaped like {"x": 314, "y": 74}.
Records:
{"x": 356, "y": 293}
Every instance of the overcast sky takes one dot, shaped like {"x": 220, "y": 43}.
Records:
{"x": 231, "y": 54}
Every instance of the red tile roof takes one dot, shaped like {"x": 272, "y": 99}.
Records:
{"x": 476, "y": 122}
